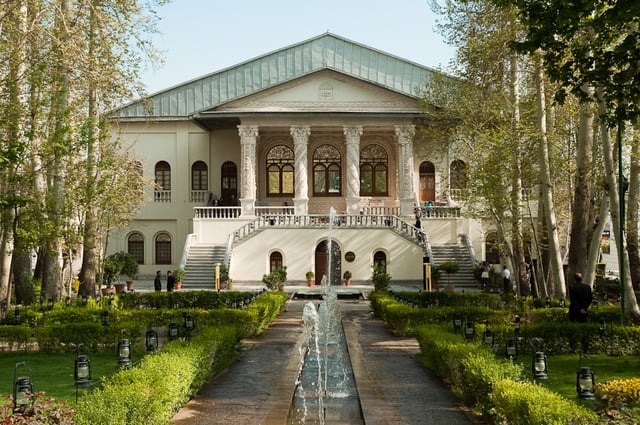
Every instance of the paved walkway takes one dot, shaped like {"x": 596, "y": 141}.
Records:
{"x": 393, "y": 386}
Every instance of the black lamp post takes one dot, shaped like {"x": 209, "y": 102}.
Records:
{"x": 603, "y": 328}
{"x": 173, "y": 331}
{"x": 22, "y": 391}
{"x": 188, "y": 323}
{"x": 82, "y": 372}
{"x": 516, "y": 325}
{"x": 585, "y": 383}
{"x": 511, "y": 349}
{"x": 105, "y": 318}
{"x": 457, "y": 323}
{"x": 539, "y": 365}
{"x": 488, "y": 337}
{"x": 151, "y": 340}
{"x": 469, "y": 331}
{"x": 124, "y": 352}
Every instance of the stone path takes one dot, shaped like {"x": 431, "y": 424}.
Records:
{"x": 393, "y": 386}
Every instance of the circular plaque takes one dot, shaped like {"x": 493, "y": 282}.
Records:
{"x": 350, "y": 256}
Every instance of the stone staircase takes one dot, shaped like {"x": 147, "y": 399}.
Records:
{"x": 463, "y": 279}
{"x": 200, "y": 267}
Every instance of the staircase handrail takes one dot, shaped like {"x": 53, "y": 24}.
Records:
{"x": 466, "y": 242}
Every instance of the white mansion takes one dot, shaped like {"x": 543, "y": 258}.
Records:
{"x": 263, "y": 163}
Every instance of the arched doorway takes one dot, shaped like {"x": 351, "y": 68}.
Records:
{"x": 427, "y": 182}
{"x": 322, "y": 262}
{"x": 229, "y": 189}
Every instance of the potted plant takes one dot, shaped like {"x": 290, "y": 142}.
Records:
{"x": 449, "y": 267}
{"x": 347, "y": 278}
{"x": 275, "y": 279}
{"x": 116, "y": 265}
{"x": 380, "y": 277}
{"x": 130, "y": 268}
{"x": 224, "y": 277}
{"x": 178, "y": 274}
{"x": 310, "y": 278}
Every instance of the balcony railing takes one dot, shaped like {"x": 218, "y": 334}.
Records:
{"x": 162, "y": 196}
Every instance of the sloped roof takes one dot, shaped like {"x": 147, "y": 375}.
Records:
{"x": 327, "y": 51}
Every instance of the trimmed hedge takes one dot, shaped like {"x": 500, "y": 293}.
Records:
{"x": 479, "y": 378}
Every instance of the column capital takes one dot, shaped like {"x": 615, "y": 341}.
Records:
{"x": 300, "y": 133}
{"x": 405, "y": 133}
{"x": 248, "y": 132}
{"x": 352, "y": 133}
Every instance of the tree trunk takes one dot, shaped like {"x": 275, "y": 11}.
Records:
{"x": 630, "y": 301}
{"x": 632, "y": 211}
{"x": 545, "y": 183}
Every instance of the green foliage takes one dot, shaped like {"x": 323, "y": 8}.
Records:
{"x": 529, "y": 404}
{"x": 380, "y": 277}
{"x": 178, "y": 274}
{"x": 276, "y": 277}
{"x": 309, "y": 275}
{"x": 346, "y": 275}
{"x": 44, "y": 410}
{"x": 118, "y": 264}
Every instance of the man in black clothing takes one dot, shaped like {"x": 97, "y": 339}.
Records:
{"x": 171, "y": 282}
{"x": 580, "y": 297}
{"x": 157, "y": 282}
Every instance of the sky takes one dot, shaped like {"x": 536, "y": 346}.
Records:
{"x": 198, "y": 37}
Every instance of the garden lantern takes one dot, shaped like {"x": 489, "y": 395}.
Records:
{"x": 50, "y": 304}
{"x": 82, "y": 371}
{"x": 585, "y": 383}
{"x": 603, "y": 328}
{"x": 85, "y": 300}
{"x": 469, "y": 331}
{"x": 511, "y": 349}
{"x": 105, "y": 318}
{"x": 22, "y": 390}
{"x": 151, "y": 340}
{"x": 173, "y": 331}
{"x": 488, "y": 337}
{"x": 188, "y": 322}
{"x": 124, "y": 353}
{"x": 67, "y": 301}
{"x": 539, "y": 365}
{"x": 516, "y": 324}
{"x": 547, "y": 302}
{"x": 457, "y": 323}
{"x": 16, "y": 316}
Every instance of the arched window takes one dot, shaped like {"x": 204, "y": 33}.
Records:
{"x": 163, "y": 248}
{"x": 373, "y": 171}
{"x": 280, "y": 160}
{"x": 427, "y": 182}
{"x": 380, "y": 259}
{"x": 327, "y": 171}
{"x": 163, "y": 182}
{"x": 458, "y": 179}
{"x": 199, "y": 176}
{"x": 135, "y": 246}
{"x": 275, "y": 260}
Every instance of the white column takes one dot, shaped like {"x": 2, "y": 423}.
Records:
{"x": 352, "y": 194}
{"x": 248, "y": 137}
{"x": 300, "y": 136}
{"x": 404, "y": 134}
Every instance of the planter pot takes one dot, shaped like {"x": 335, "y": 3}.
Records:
{"x": 178, "y": 285}
{"x": 106, "y": 291}
{"x": 281, "y": 287}
{"x": 130, "y": 285}
{"x": 311, "y": 282}
{"x": 119, "y": 288}
{"x": 347, "y": 282}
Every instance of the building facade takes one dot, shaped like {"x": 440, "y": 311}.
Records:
{"x": 304, "y": 157}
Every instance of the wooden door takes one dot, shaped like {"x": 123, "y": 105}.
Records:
{"x": 427, "y": 182}
{"x": 229, "y": 182}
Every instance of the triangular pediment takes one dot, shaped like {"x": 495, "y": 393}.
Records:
{"x": 324, "y": 91}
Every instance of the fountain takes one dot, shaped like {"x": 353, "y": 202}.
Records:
{"x": 325, "y": 390}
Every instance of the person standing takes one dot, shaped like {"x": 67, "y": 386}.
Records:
{"x": 157, "y": 282}
{"x": 506, "y": 279}
{"x": 484, "y": 276}
{"x": 171, "y": 281}
{"x": 580, "y": 298}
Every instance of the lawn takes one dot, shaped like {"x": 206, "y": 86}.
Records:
{"x": 52, "y": 373}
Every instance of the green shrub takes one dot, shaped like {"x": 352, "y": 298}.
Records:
{"x": 530, "y": 404}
